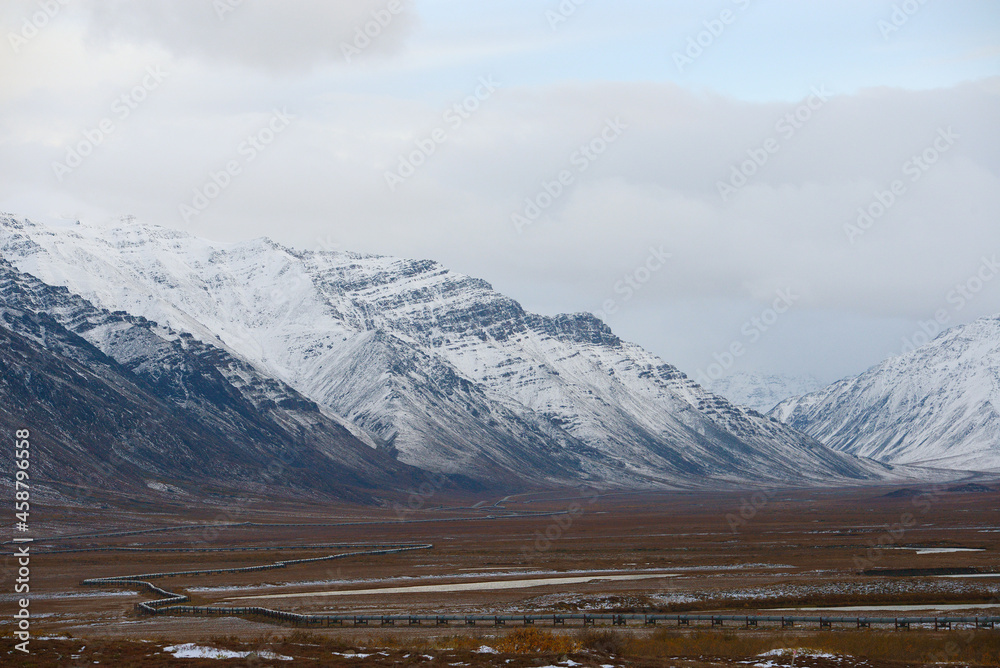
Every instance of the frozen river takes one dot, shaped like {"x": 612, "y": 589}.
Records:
{"x": 488, "y": 585}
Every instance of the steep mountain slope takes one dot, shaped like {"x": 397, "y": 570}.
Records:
{"x": 437, "y": 366}
{"x": 762, "y": 392}
{"x": 115, "y": 397}
{"x": 938, "y": 405}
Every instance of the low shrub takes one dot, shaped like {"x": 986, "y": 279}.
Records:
{"x": 530, "y": 640}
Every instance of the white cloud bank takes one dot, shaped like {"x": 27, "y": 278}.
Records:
{"x": 923, "y": 164}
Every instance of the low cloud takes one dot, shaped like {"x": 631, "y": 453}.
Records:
{"x": 746, "y": 197}
{"x": 275, "y": 36}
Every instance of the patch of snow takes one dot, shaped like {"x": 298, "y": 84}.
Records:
{"x": 193, "y": 651}
{"x": 163, "y": 487}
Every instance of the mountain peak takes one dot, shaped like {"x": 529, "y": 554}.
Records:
{"x": 434, "y": 365}
{"x": 937, "y": 405}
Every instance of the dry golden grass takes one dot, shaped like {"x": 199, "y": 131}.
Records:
{"x": 801, "y": 549}
{"x": 534, "y": 641}
{"x": 526, "y": 645}
{"x": 981, "y": 648}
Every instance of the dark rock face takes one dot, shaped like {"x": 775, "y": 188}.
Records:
{"x": 431, "y": 367}
{"x": 166, "y": 408}
{"x": 592, "y": 405}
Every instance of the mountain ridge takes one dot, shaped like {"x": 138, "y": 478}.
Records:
{"x": 937, "y": 405}
{"x": 161, "y": 405}
{"x": 437, "y": 367}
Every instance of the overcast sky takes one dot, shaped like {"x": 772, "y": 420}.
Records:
{"x": 678, "y": 168}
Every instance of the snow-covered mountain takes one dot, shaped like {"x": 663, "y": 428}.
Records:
{"x": 114, "y": 397}
{"x": 938, "y": 405}
{"x": 437, "y": 367}
{"x": 762, "y": 392}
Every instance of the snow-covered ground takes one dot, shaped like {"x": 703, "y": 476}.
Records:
{"x": 193, "y": 651}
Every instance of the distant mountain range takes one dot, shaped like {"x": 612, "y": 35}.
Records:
{"x": 371, "y": 369}
{"x": 761, "y": 391}
{"x": 938, "y": 405}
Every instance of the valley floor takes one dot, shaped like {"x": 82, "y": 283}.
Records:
{"x": 924, "y": 552}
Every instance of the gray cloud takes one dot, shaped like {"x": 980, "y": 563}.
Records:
{"x": 322, "y": 180}
{"x": 277, "y": 36}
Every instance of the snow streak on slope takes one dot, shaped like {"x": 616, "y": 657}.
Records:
{"x": 938, "y": 405}
{"x": 435, "y": 365}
